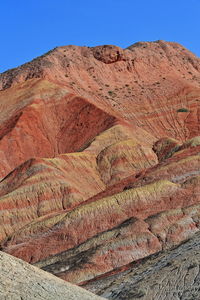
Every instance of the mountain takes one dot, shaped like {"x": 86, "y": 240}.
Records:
{"x": 99, "y": 156}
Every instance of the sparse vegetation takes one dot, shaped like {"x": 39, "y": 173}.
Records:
{"x": 183, "y": 109}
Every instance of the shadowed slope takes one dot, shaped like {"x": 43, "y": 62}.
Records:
{"x": 45, "y": 120}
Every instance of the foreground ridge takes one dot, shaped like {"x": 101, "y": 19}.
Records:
{"x": 24, "y": 281}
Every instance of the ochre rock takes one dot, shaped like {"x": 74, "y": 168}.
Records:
{"x": 109, "y": 54}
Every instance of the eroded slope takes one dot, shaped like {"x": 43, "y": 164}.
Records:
{"x": 147, "y": 213}
{"x": 171, "y": 275}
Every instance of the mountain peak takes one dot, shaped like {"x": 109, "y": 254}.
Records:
{"x": 99, "y": 158}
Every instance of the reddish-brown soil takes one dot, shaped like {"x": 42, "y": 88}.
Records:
{"x": 99, "y": 156}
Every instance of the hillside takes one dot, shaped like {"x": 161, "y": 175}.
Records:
{"x": 169, "y": 275}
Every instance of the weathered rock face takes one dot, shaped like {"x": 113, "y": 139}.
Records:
{"x": 99, "y": 156}
{"x": 19, "y": 280}
{"x": 109, "y": 54}
{"x": 169, "y": 275}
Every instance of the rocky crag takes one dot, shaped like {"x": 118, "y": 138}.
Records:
{"x": 100, "y": 157}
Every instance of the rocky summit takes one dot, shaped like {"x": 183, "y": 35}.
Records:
{"x": 100, "y": 168}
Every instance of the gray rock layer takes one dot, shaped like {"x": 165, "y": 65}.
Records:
{"x": 170, "y": 275}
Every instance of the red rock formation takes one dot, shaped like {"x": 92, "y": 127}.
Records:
{"x": 99, "y": 156}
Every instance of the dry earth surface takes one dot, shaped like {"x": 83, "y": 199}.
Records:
{"x": 21, "y": 281}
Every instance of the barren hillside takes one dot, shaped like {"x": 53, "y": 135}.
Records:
{"x": 99, "y": 157}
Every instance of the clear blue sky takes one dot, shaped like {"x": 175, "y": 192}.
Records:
{"x": 31, "y": 27}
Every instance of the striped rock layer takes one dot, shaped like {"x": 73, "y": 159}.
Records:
{"x": 99, "y": 157}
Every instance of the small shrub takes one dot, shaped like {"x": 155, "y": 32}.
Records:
{"x": 183, "y": 109}
{"x": 110, "y": 93}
